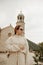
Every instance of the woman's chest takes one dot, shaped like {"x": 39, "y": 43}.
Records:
{"x": 19, "y": 41}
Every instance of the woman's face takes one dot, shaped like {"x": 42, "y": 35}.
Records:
{"x": 20, "y": 31}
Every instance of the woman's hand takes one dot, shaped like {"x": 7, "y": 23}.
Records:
{"x": 21, "y": 46}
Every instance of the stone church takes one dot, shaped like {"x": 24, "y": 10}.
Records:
{"x": 8, "y": 31}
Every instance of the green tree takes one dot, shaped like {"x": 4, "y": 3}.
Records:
{"x": 41, "y": 48}
{"x": 41, "y": 51}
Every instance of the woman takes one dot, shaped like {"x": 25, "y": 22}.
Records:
{"x": 18, "y": 47}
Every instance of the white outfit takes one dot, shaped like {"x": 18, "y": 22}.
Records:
{"x": 30, "y": 59}
{"x": 24, "y": 57}
{"x": 12, "y": 44}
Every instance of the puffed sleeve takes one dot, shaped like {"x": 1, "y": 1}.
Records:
{"x": 27, "y": 46}
{"x": 9, "y": 45}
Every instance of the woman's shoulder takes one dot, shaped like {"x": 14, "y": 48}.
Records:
{"x": 9, "y": 39}
{"x": 24, "y": 37}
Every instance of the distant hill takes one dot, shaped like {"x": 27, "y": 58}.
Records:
{"x": 33, "y": 46}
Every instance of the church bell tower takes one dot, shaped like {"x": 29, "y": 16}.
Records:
{"x": 20, "y": 20}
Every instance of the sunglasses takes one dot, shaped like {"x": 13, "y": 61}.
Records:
{"x": 21, "y": 29}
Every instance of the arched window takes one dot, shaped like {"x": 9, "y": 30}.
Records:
{"x": 20, "y": 17}
{"x": 9, "y": 34}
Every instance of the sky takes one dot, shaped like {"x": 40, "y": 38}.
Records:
{"x": 33, "y": 12}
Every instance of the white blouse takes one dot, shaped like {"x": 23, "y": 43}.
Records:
{"x": 13, "y": 43}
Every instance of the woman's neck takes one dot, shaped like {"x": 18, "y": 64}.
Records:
{"x": 18, "y": 34}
